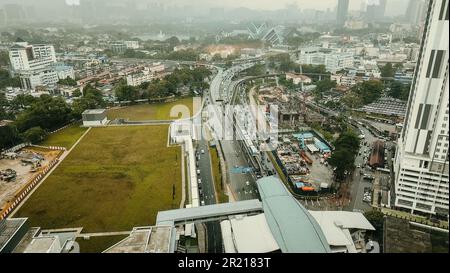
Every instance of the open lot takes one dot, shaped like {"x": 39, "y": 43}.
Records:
{"x": 115, "y": 179}
{"x": 66, "y": 137}
{"x": 142, "y": 112}
{"x": 24, "y": 173}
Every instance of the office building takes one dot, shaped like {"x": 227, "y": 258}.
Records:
{"x": 342, "y": 12}
{"x": 30, "y": 79}
{"x": 421, "y": 163}
{"x": 375, "y": 11}
{"x": 416, "y": 12}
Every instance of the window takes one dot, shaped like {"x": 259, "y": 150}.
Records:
{"x": 443, "y": 15}
{"x": 435, "y": 63}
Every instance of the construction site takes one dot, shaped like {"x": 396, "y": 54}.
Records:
{"x": 20, "y": 167}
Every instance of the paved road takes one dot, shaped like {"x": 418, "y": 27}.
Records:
{"x": 207, "y": 194}
{"x": 359, "y": 183}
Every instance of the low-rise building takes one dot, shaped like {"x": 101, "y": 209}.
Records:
{"x": 298, "y": 78}
{"x": 94, "y": 117}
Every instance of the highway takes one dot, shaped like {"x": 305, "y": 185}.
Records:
{"x": 241, "y": 182}
{"x": 207, "y": 195}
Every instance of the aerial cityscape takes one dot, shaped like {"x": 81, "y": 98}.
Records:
{"x": 232, "y": 127}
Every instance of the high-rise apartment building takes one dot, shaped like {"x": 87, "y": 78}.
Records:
{"x": 35, "y": 64}
{"x": 421, "y": 163}
{"x": 342, "y": 12}
{"x": 25, "y": 57}
{"x": 416, "y": 12}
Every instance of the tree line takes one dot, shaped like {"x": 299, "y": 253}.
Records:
{"x": 170, "y": 85}
{"x": 34, "y": 117}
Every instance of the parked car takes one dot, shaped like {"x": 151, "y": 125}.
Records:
{"x": 198, "y": 172}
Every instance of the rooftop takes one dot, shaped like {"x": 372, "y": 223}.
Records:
{"x": 94, "y": 111}
{"x": 292, "y": 226}
{"x": 156, "y": 239}
{"x": 244, "y": 238}
{"x": 8, "y": 228}
{"x": 336, "y": 224}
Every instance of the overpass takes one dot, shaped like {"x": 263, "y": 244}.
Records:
{"x": 208, "y": 213}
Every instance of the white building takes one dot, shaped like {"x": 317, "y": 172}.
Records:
{"x": 146, "y": 75}
{"x": 137, "y": 79}
{"x": 333, "y": 61}
{"x": 28, "y": 57}
{"x": 30, "y": 79}
{"x": 94, "y": 117}
{"x": 132, "y": 44}
{"x": 421, "y": 164}
{"x": 298, "y": 78}
{"x": 65, "y": 71}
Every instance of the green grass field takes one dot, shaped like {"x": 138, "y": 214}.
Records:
{"x": 215, "y": 162}
{"x": 115, "y": 179}
{"x": 66, "y": 137}
{"x": 160, "y": 111}
{"x": 98, "y": 244}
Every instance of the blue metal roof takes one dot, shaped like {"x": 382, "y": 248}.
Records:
{"x": 292, "y": 226}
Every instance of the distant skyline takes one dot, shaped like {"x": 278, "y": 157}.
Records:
{"x": 394, "y": 7}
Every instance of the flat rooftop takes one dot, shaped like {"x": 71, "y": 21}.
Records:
{"x": 45, "y": 244}
{"x": 156, "y": 239}
{"x": 8, "y": 228}
{"x": 94, "y": 111}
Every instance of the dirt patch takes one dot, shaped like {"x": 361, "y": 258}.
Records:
{"x": 23, "y": 171}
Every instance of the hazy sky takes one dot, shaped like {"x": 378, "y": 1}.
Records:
{"x": 394, "y": 7}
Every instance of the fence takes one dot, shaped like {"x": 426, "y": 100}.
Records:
{"x": 16, "y": 148}
{"x": 22, "y": 193}
{"x": 64, "y": 127}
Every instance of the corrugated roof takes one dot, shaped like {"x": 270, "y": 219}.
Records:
{"x": 292, "y": 226}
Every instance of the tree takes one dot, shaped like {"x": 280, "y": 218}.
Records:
{"x": 68, "y": 81}
{"x": 34, "y": 135}
{"x": 324, "y": 86}
{"x": 77, "y": 93}
{"x": 22, "y": 101}
{"x": 125, "y": 92}
{"x": 91, "y": 99}
{"x": 399, "y": 90}
{"x": 9, "y": 136}
{"x": 4, "y": 58}
{"x": 7, "y": 81}
{"x": 352, "y": 100}
{"x": 47, "y": 112}
{"x": 369, "y": 91}
{"x": 343, "y": 161}
{"x": 343, "y": 158}
{"x": 376, "y": 218}
{"x": 387, "y": 71}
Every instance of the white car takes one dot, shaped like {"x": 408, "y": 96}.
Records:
{"x": 247, "y": 183}
{"x": 198, "y": 172}
{"x": 203, "y": 151}
{"x": 202, "y": 203}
